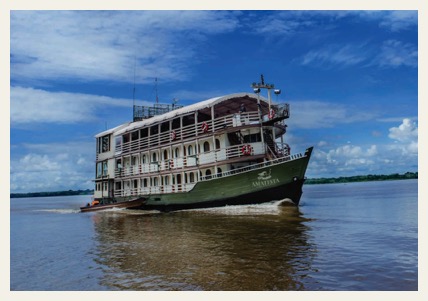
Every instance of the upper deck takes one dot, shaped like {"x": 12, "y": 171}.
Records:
{"x": 214, "y": 116}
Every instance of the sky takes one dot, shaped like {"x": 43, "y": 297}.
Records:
{"x": 350, "y": 77}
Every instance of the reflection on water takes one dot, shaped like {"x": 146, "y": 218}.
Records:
{"x": 259, "y": 247}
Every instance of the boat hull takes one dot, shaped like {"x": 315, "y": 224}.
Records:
{"x": 277, "y": 181}
{"x": 124, "y": 204}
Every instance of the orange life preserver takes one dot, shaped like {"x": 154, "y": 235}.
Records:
{"x": 246, "y": 150}
{"x": 204, "y": 127}
{"x": 95, "y": 202}
{"x": 173, "y": 135}
{"x": 271, "y": 114}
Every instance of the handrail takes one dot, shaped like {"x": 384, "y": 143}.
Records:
{"x": 186, "y": 187}
{"x": 189, "y": 131}
{"x": 216, "y": 155}
{"x": 253, "y": 167}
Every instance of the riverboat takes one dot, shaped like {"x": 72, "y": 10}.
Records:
{"x": 227, "y": 150}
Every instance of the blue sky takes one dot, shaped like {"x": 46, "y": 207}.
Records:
{"x": 351, "y": 78}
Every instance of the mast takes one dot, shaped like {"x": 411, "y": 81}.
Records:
{"x": 133, "y": 91}
{"x": 258, "y": 86}
{"x": 156, "y": 90}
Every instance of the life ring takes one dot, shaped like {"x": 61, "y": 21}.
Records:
{"x": 271, "y": 114}
{"x": 204, "y": 127}
{"x": 246, "y": 150}
{"x": 173, "y": 135}
{"x": 171, "y": 163}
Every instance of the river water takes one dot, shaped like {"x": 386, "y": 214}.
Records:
{"x": 343, "y": 237}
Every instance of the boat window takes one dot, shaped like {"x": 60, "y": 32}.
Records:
{"x": 166, "y": 181}
{"x": 190, "y": 150}
{"x": 206, "y": 146}
{"x": 154, "y": 157}
{"x": 144, "y": 159}
{"x": 154, "y": 130}
{"x": 177, "y": 152}
{"x": 105, "y": 143}
{"x": 118, "y": 142}
{"x": 144, "y": 132}
{"x": 192, "y": 177}
{"x": 125, "y": 138}
{"x": 219, "y": 171}
{"x": 208, "y": 174}
{"x": 217, "y": 144}
{"x": 165, "y": 127}
{"x": 105, "y": 168}
{"x": 134, "y": 135}
{"x": 165, "y": 155}
{"x": 99, "y": 169}
{"x": 145, "y": 182}
{"x": 155, "y": 181}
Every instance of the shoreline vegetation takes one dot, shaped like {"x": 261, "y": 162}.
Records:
{"x": 365, "y": 178}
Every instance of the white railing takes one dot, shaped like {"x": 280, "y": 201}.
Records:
{"x": 214, "y": 156}
{"x": 175, "y": 188}
{"x": 189, "y": 131}
{"x": 252, "y": 167}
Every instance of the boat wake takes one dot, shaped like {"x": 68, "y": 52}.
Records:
{"x": 270, "y": 208}
{"x": 60, "y": 211}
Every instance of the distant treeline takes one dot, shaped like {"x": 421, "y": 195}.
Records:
{"x": 51, "y": 193}
{"x": 395, "y": 176}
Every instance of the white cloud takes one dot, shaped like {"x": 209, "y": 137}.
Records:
{"x": 346, "y": 160}
{"x": 29, "y": 105}
{"x": 392, "y": 53}
{"x": 340, "y": 55}
{"x": 399, "y": 20}
{"x": 105, "y": 45}
{"x": 395, "y": 53}
{"x": 405, "y": 132}
{"x": 54, "y": 166}
{"x": 317, "y": 114}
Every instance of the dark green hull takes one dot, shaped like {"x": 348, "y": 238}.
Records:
{"x": 281, "y": 180}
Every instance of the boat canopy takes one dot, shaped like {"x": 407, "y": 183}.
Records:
{"x": 241, "y": 97}
{"x": 112, "y": 130}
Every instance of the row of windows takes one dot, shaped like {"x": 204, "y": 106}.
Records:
{"x": 189, "y": 177}
{"x": 187, "y": 151}
{"x": 103, "y": 185}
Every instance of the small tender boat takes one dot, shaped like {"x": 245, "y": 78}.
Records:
{"x": 135, "y": 203}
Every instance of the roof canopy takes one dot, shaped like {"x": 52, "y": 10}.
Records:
{"x": 229, "y": 104}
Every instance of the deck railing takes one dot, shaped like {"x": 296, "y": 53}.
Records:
{"x": 219, "y": 155}
{"x": 176, "y": 188}
{"x": 188, "y": 132}
{"x": 252, "y": 167}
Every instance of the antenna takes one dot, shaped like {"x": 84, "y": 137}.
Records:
{"x": 174, "y": 102}
{"x": 133, "y": 91}
{"x": 156, "y": 90}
